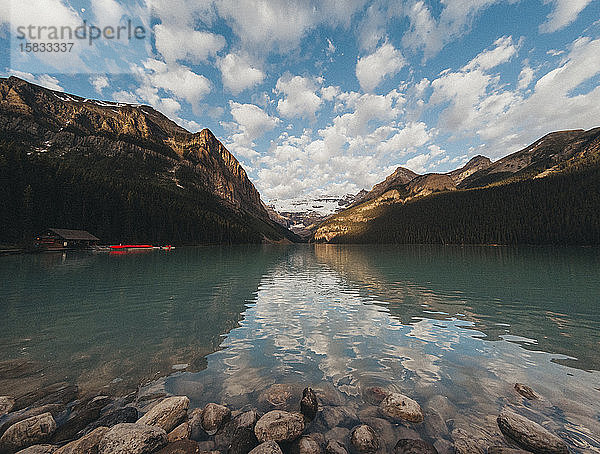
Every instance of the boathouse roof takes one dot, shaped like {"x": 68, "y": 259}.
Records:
{"x": 81, "y": 235}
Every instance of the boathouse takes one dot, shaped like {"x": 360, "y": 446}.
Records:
{"x": 59, "y": 239}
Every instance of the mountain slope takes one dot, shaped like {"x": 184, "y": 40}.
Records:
{"x": 125, "y": 172}
{"x": 547, "y": 193}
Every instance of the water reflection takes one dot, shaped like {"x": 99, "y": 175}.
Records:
{"x": 353, "y": 318}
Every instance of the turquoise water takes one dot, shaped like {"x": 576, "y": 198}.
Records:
{"x": 225, "y": 323}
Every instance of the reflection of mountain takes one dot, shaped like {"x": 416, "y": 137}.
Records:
{"x": 540, "y": 294}
{"x": 125, "y": 317}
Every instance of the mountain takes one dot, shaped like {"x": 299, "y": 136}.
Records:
{"x": 124, "y": 172}
{"x": 302, "y": 215}
{"x": 400, "y": 177}
{"x": 547, "y": 193}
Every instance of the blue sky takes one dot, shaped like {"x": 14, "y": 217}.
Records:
{"x": 329, "y": 97}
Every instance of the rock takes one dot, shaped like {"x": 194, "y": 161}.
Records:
{"x": 114, "y": 417}
{"x": 243, "y": 441}
{"x": 504, "y": 450}
{"x": 197, "y": 432}
{"x": 39, "y": 449}
{"x": 434, "y": 425}
{"x": 526, "y": 391}
{"x": 181, "y": 432}
{"x": 12, "y": 418}
{"x": 339, "y": 417}
{"x": 6, "y": 405}
{"x": 309, "y": 405}
{"x": 30, "y": 431}
{"x": 399, "y": 407}
{"x": 444, "y": 446}
{"x": 281, "y": 396}
{"x": 81, "y": 416}
{"x": 214, "y": 417}
{"x": 374, "y": 395}
{"x": 414, "y": 447}
{"x": 465, "y": 443}
{"x": 181, "y": 447}
{"x": 279, "y": 425}
{"x": 385, "y": 432}
{"x": 85, "y": 445}
{"x": 128, "y": 438}
{"x": 364, "y": 439}
{"x": 268, "y": 447}
{"x": 530, "y": 435}
{"x": 206, "y": 446}
{"x": 335, "y": 447}
{"x": 443, "y": 406}
{"x": 167, "y": 414}
{"x": 306, "y": 445}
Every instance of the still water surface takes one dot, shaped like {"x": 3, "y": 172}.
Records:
{"x": 225, "y": 323}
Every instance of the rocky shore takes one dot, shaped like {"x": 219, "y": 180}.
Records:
{"x": 286, "y": 418}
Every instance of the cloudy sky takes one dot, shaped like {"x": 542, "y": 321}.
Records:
{"x": 330, "y": 96}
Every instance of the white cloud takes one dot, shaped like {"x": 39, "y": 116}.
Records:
{"x": 238, "y": 74}
{"x": 107, "y": 12}
{"x": 176, "y": 43}
{"x": 250, "y": 123}
{"x": 384, "y": 62}
{"x": 43, "y": 80}
{"x": 99, "y": 83}
{"x": 505, "y": 49}
{"x": 526, "y": 77}
{"x": 564, "y": 13}
{"x": 300, "y": 97}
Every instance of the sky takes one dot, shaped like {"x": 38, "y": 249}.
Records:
{"x": 319, "y": 97}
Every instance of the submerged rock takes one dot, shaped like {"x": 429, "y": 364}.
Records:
{"x": 57, "y": 393}
{"x": 82, "y": 415}
{"x": 397, "y": 407}
{"x": 530, "y": 435}
{"x": 414, "y": 447}
{"x": 214, "y": 417}
{"x": 374, "y": 395}
{"x": 309, "y": 405}
{"x": 268, "y": 447}
{"x": 364, "y": 439}
{"x": 127, "y": 438}
{"x": 243, "y": 441}
{"x": 30, "y": 431}
{"x": 167, "y": 414}
{"x": 114, "y": 417}
{"x": 339, "y": 417}
{"x": 197, "y": 432}
{"x": 6, "y": 405}
{"x": 85, "y": 445}
{"x": 279, "y": 426}
{"x": 525, "y": 391}
{"x": 335, "y": 447}
{"x": 281, "y": 396}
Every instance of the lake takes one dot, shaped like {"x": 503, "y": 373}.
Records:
{"x": 225, "y": 323}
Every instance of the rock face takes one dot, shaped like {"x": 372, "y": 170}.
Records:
{"x": 401, "y": 176}
{"x": 364, "y": 439}
{"x": 474, "y": 165}
{"x": 167, "y": 414}
{"x": 399, "y": 407}
{"x": 414, "y": 447}
{"x": 28, "y": 432}
{"x": 129, "y": 438}
{"x": 530, "y": 435}
{"x": 309, "y": 405}
{"x": 279, "y": 426}
{"x": 268, "y": 447}
{"x": 214, "y": 417}
{"x": 85, "y": 445}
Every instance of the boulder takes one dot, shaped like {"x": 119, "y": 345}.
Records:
{"x": 340, "y": 434}
{"x": 127, "y": 438}
{"x": 374, "y": 395}
{"x": 6, "y": 405}
{"x": 309, "y": 405}
{"x": 83, "y": 414}
{"x": 408, "y": 446}
{"x": 335, "y": 447}
{"x": 181, "y": 447}
{"x": 85, "y": 445}
{"x": 530, "y": 435}
{"x": 197, "y": 432}
{"x": 398, "y": 407}
{"x": 167, "y": 414}
{"x": 243, "y": 441}
{"x": 268, "y": 447}
{"x": 525, "y": 391}
{"x": 306, "y": 445}
{"x": 364, "y": 439}
{"x": 30, "y": 431}
{"x": 12, "y": 418}
{"x": 214, "y": 416}
{"x": 39, "y": 449}
{"x": 279, "y": 426}
{"x": 338, "y": 417}
{"x": 281, "y": 396}
{"x": 181, "y": 432}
